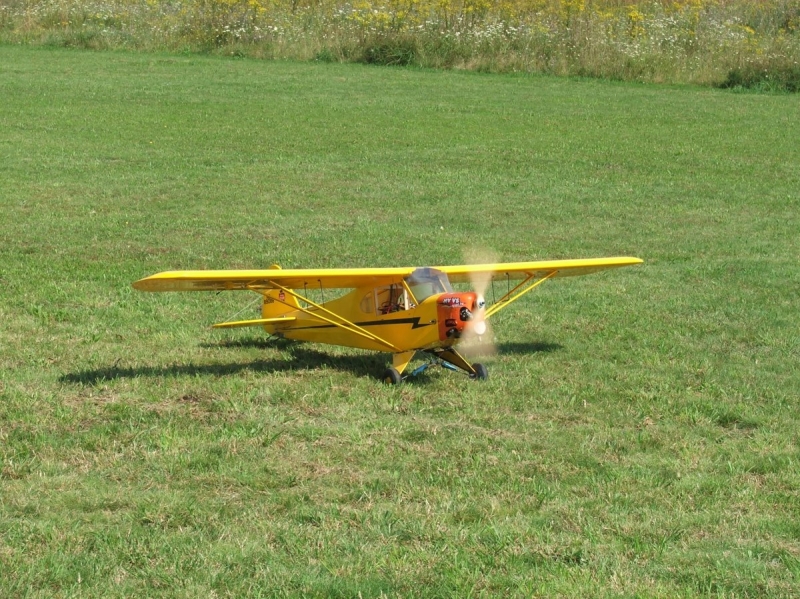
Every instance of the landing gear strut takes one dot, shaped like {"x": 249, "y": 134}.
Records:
{"x": 448, "y": 358}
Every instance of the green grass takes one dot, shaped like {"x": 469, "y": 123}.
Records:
{"x": 637, "y": 435}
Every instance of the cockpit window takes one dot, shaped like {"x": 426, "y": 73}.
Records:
{"x": 425, "y": 282}
{"x": 390, "y": 299}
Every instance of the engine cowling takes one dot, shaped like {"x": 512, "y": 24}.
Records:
{"x": 456, "y": 313}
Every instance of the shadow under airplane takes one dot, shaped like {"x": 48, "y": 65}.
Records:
{"x": 301, "y": 357}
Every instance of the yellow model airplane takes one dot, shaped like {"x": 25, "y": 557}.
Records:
{"x": 397, "y": 310}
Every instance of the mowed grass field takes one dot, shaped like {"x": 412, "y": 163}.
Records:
{"x": 638, "y": 434}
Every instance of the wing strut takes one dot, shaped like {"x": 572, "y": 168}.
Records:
{"x": 335, "y": 319}
{"x": 509, "y": 297}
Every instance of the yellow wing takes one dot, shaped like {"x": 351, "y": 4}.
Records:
{"x": 222, "y": 280}
{"x": 523, "y": 270}
{"x": 350, "y": 278}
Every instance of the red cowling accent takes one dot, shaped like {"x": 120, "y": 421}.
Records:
{"x": 449, "y": 313}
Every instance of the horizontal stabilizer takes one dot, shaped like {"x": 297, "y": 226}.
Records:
{"x": 251, "y": 323}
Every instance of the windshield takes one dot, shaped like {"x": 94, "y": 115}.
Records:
{"x": 425, "y": 282}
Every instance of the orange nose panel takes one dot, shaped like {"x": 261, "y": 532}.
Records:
{"x": 454, "y": 311}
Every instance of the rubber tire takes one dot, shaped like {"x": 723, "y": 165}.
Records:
{"x": 391, "y": 376}
{"x": 481, "y": 372}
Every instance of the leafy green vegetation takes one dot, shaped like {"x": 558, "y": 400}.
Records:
{"x": 638, "y": 432}
{"x": 764, "y": 77}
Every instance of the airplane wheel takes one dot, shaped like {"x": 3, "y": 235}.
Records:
{"x": 392, "y": 377}
{"x": 481, "y": 372}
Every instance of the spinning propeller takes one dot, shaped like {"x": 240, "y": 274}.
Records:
{"x": 478, "y": 339}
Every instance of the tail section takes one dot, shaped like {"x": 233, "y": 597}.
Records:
{"x": 259, "y": 322}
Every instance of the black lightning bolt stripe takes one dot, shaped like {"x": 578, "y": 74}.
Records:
{"x": 414, "y": 322}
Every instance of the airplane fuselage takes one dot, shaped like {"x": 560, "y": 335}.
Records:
{"x": 438, "y": 321}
